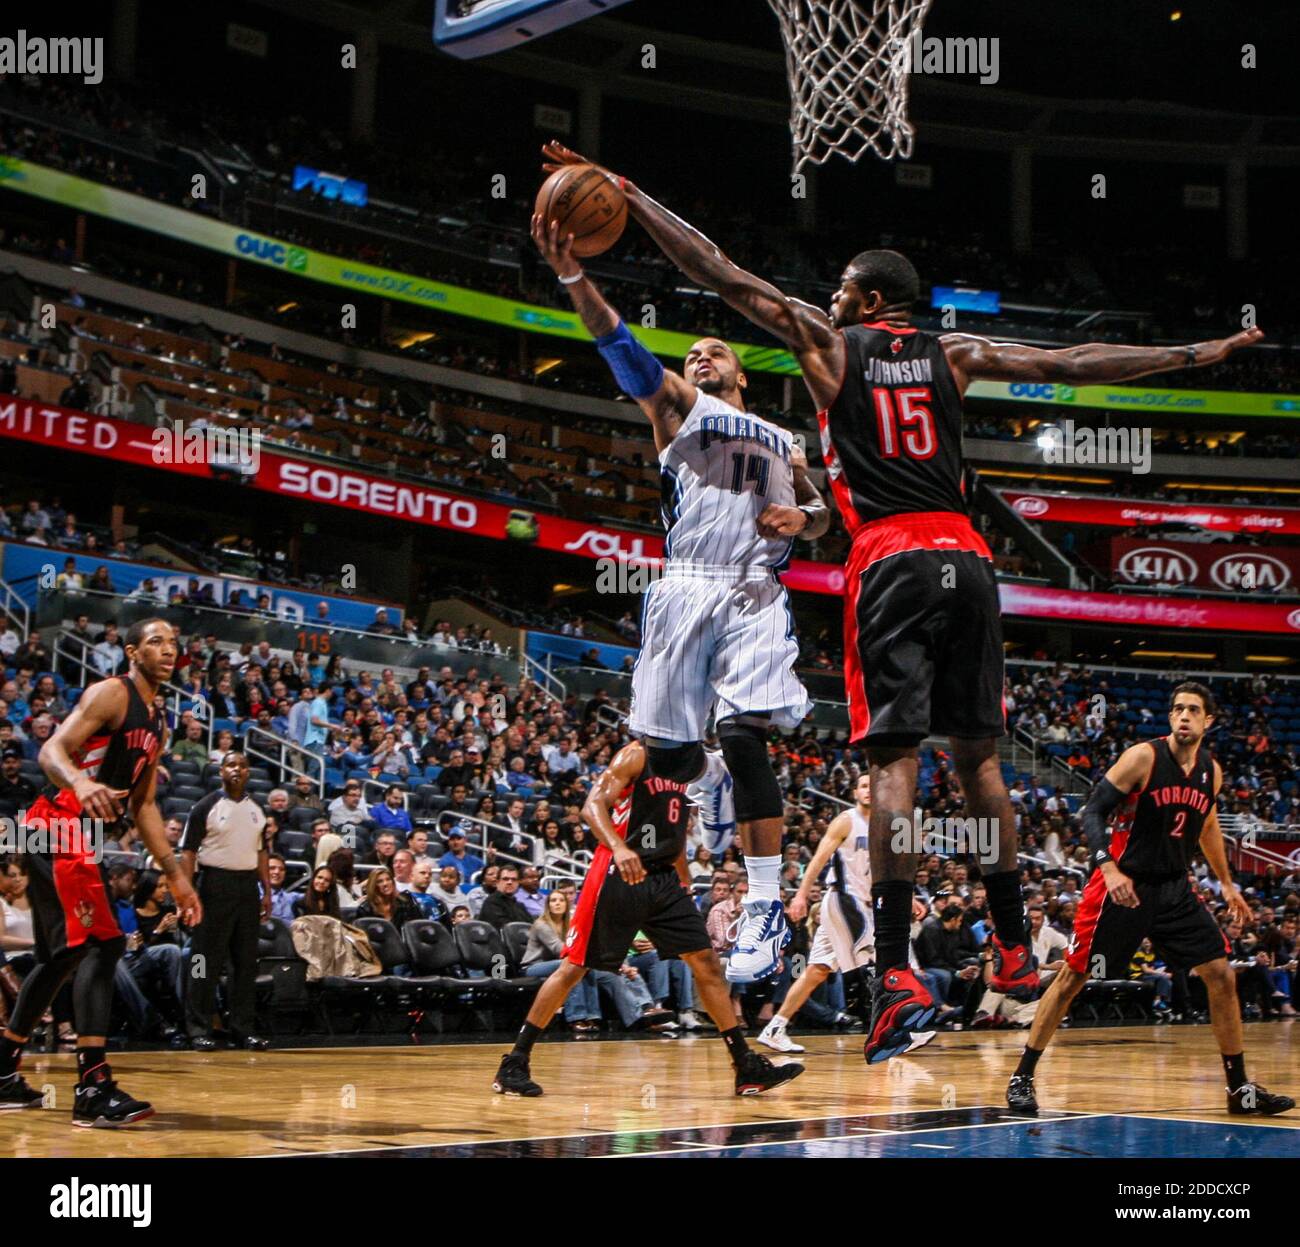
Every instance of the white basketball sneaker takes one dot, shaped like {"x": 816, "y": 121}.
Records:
{"x": 717, "y": 805}
{"x": 758, "y": 947}
{"x": 774, "y": 1037}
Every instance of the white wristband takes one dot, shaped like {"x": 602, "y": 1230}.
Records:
{"x": 574, "y": 280}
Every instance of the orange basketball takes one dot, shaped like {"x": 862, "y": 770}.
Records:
{"x": 587, "y": 203}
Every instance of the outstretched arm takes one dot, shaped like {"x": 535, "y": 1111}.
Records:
{"x": 972, "y": 357}
{"x": 664, "y": 396}
{"x": 805, "y": 329}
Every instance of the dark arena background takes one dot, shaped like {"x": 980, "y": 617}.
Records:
{"x": 281, "y": 365}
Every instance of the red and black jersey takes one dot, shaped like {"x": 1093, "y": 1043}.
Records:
{"x": 891, "y": 440}
{"x": 652, "y": 815}
{"x": 119, "y": 758}
{"x": 1157, "y": 830}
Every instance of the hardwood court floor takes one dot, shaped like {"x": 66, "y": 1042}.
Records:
{"x": 659, "y": 1095}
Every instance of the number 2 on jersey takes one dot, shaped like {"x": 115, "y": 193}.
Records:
{"x": 915, "y": 418}
{"x": 754, "y": 470}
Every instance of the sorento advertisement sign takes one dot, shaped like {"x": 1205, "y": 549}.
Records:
{"x": 335, "y": 485}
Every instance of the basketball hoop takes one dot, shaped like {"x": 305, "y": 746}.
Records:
{"x": 848, "y": 63}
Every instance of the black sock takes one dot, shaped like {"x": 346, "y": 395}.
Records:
{"x": 737, "y": 1048}
{"x": 1029, "y": 1061}
{"x": 11, "y": 1052}
{"x": 92, "y": 1067}
{"x": 1007, "y": 907}
{"x": 1235, "y": 1068}
{"x": 528, "y": 1035}
{"x": 891, "y": 901}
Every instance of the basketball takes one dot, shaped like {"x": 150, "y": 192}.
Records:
{"x": 587, "y": 203}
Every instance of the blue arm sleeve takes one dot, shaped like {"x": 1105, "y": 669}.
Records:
{"x": 638, "y": 373}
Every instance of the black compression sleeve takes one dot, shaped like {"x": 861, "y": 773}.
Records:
{"x": 1103, "y": 801}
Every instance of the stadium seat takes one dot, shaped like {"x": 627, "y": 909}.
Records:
{"x": 386, "y": 941}
{"x": 281, "y": 973}
{"x": 482, "y": 948}
{"x": 435, "y": 955}
{"x": 515, "y": 937}
{"x": 294, "y": 844}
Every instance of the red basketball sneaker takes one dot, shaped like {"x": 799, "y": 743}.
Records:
{"x": 1015, "y": 970}
{"x": 900, "y": 1006}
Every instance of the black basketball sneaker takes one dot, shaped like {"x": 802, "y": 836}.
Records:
{"x": 105, "y": 1106}
{"x": 513, "y": 1077}
{"x": 1020, "y": 1094}
{"x": 756, "y": 1074}
{"x": 16, "y": 1092}
{"x": 1251, "y": 1100}
{"x": 900, "y": 1006}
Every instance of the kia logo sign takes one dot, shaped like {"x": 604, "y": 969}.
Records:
{"x": 1030, "y": 506}
{"x": 1294, "y": 619}
{"x": 1250, "y": 570}
{"x": 1160, "y": 565}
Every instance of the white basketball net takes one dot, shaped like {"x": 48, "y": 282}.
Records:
{"x": 848, "y": 63}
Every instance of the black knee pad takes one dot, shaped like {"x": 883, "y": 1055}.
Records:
{"x": 679, "y": 763}
{"x": 744, "y": 746}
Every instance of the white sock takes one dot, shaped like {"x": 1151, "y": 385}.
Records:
{"x": 764, "y": 878}
{"x": 714, "y": 770}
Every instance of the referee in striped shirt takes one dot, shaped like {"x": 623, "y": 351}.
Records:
{"x": 226, "y": 836}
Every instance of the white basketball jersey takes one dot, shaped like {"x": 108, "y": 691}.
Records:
{"x": 723, "y": 467}
{"x": 851, "y": 862}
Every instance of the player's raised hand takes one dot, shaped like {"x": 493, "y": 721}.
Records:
{"x": 779, "y": 521}
{"x": 1218, "y": 350}
{"x": 557, "y": 251}
{"x": 557, "y": 156}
